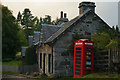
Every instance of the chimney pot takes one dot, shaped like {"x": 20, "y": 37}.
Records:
{"x": 61, "y": 14}
{"x": 65, "y": 15}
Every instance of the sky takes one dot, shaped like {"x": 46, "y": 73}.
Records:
{"x": 106, "y": 9}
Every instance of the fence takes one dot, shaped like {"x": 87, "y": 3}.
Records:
{"x": 114, "y": 60}
{"x": 101, "y": 61}
{"x": 107, "y": 61}
{"x": 20, "y": 69}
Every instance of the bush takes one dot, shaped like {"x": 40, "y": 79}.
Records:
{"x": 30, "y": 56}
{"x": 17, "y": 58}
{"x": 7, "y": 60}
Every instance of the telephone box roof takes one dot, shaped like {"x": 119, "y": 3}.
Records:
{"x": 84, "y": 39}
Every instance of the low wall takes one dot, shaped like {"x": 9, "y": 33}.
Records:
{"x": 20, "y": 69}
{"x": 11, "y": 68}
{"x": 28, "y": 68}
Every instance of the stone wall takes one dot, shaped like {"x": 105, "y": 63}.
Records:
{"x": 90, "y": 23}
{"x": 63, "y": 60}
{"x": 20, "y": 69}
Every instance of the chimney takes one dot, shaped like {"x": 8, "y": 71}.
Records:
{"x": 83, "y": 6}
{"x": 61, "y": 14}
{"x": 65, "y": 15}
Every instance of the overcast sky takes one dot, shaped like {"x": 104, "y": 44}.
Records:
{"x": 106, "y": 9}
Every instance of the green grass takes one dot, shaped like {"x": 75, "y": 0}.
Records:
{"x": 93, "y": 76}
{"x": 12, "y": 63}
{"x": 16, "y": 61}
{"x": 96, "y": 75}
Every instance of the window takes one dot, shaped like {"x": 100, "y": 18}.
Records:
{"x": 49, "y": 63}
{"x": 40, "y": 60}
{"x": 44, "y": 63}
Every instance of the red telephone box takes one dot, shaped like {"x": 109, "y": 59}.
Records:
{"x": 83, "y": 57}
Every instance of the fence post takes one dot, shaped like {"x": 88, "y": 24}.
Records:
{"x": 109, "y": 60}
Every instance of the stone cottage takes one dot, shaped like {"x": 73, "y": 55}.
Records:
{"x": 54, "y": 40}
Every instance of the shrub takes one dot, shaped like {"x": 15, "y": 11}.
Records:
{"x": 30, "y": 56}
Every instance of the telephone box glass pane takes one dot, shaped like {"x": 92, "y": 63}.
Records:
{"x": 88, "y": 53}
{"x": 88, "y": 67}
{"x": 88, "y": 63}
{"x": 77, "y": 58}
{"x": 88, "y": 70}
{"x": 78, "y": 48}
{"x": 77, "y": 65}
{"x": 89, "y": 49}
{"x": 77, "y": 62}
{"x": 88, "y": 57}
{"x": 77, "y": 55}
{"x": 77, "y": 73}
{"x": 77, "y": 69}
{"x": 78, "y": 51}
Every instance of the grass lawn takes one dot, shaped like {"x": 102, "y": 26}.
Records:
{"x": 12, "y": 63}
{"x": 17, "y": 61}
{"x": 93, "y": 76}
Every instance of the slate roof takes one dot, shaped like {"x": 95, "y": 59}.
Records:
{"x": 51, "y": 32}
{"x": 48, "y": 31}
{"x": 62, "y": 29}
{"x": 69, "y": 24}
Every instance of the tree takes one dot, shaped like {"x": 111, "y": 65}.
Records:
{"x": 10, "y": 39}
{"x": 37, "y": 24}
{"x": 55, "y": 22}
{"x": 19, "y": 16}
{"x": 47, "y": 20}
{"x": 26, "y": 21}
{"x": 22, "y": 37}
{"x": 107, "y": 39}
{"x": 113, "y": 43}
{"x": 101, "y": 40}
{"x": 117, "y": 29}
